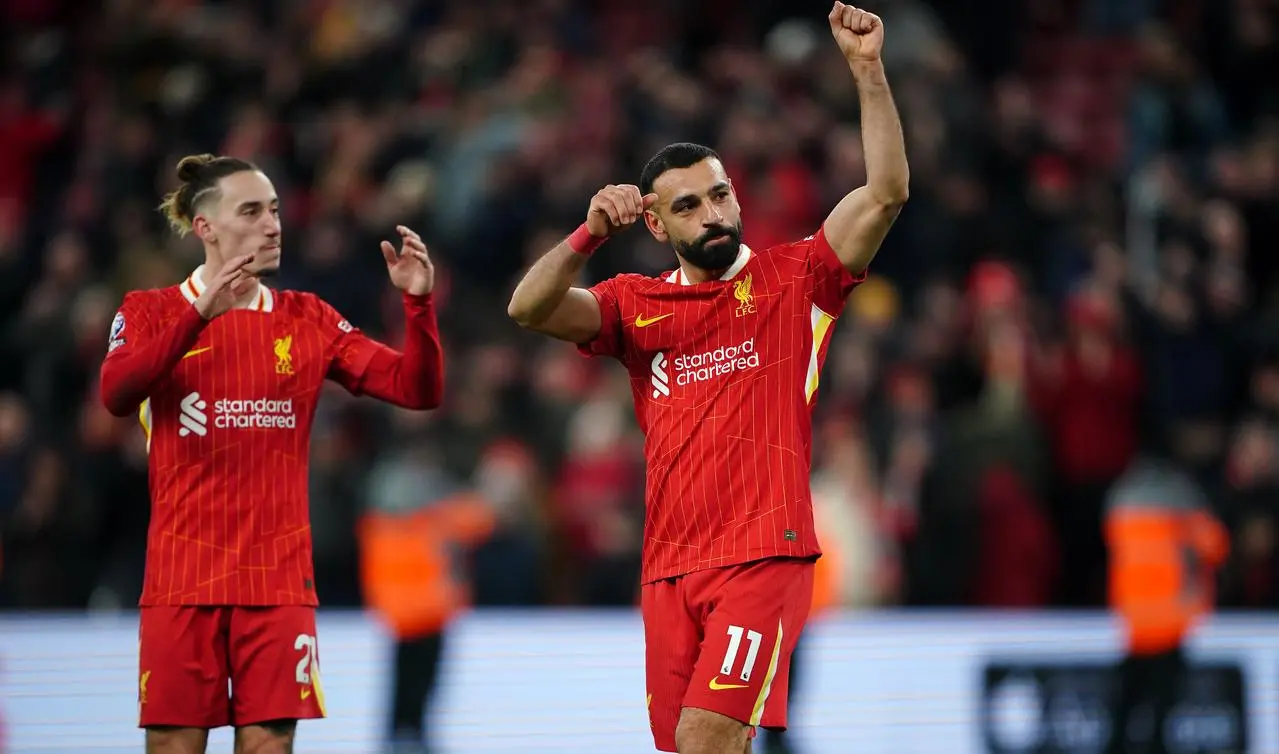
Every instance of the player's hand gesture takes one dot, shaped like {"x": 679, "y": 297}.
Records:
{"x": 411, "y": 270}
{"x": 616, "y": 208}
{"x": 221, "y": 293}
{"x": 859, "y": 33}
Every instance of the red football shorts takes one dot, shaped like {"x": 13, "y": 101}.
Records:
{"x": 206, "y": 667}
{"x": 721, "y": 640}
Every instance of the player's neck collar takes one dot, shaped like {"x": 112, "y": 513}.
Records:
{"x": 743, "y": 256}
{"x": 262, "y": 301}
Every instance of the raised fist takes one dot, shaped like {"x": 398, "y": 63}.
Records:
{"x": 615, "y": 208}
{"x": 859, "y": 33}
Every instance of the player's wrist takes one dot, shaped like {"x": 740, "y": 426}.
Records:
{"x": 867, "y": 70}
{"x": 583, "y": 242}
{"x": 200, "y": 312}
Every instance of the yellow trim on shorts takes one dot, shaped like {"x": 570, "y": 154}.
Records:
{"x": 757, "y": 714}
{"x": 315, "y": 684}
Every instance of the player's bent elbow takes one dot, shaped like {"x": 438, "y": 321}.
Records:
{"x": 427, "y": 402}
{"x": 427, "y": 399}
{"x": 897, "y": 193}
{"x": 424, "y": 398}
{"x": 114, "y": 400}
{"x": 522, "y": 311}
{"x": 575, "y": 319}
{"x": 892, "y": 198}
{"x": 522, "y": 316}
{"x": 117, "y": 406}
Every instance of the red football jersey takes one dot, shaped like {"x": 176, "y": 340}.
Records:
{"x": 724, "y": 374}
{"x": 228, "y": 433}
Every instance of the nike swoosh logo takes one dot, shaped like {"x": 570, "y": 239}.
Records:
{"x": 306, "y": 693}
{"x": 641, "y": 322}
{"x": 717, "y": 686}
{"x": 197, "y": 352}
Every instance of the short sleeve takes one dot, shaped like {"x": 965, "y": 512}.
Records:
{"x": 349, "y": 350}
{"x": 132, "y": 324}
{"x": 609, "y": 340}
{"x": 832, "y": 282}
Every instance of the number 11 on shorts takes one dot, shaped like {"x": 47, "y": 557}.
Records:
{"x": 753, "y": 640}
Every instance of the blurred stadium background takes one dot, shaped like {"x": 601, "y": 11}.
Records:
{"x": 1089, "y": 256}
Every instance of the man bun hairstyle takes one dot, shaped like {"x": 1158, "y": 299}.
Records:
{"x": 198, "y": 175}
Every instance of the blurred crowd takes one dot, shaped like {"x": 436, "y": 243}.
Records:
{"x": 1085, "y": 263}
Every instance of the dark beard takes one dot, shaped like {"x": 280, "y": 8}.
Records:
{"x": 717, "y": 257}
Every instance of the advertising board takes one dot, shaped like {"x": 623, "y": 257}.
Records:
{"x": 573, "y": 681}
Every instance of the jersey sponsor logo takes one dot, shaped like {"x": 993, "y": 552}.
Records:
{"x": 691, "y": 369}
{"x": 708, "y": 365}
{"x": 191, "y": 417}
{"x": 345, "y": 326}
{"x": 228, "y": 413}
{"x": 640, "y": 321}
{"x": 284, "y": 355}
{"x": 260, "y": 413}
{"x": 116, "y": 339}
{"x": 660, "y": 379}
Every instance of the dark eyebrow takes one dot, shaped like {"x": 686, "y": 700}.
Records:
{"x": 685, "y": 198}
{"x": 275, "y": 200}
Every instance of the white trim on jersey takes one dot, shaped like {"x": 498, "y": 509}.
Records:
{"x": 743, "y": 256}
{"x": 193, "y": 286}
{"x": 821, "y": 323}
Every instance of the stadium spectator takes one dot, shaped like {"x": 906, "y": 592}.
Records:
{"x": 1057, "y": 150}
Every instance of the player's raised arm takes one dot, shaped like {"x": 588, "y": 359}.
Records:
{"x": 139, "y": 355}
{"x": 414, "y": 377}
{"x": 545, "y": 300}
{"x": 858, "y": 224}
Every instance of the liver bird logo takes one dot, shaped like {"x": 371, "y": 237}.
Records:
{"x": 742, "y": 292}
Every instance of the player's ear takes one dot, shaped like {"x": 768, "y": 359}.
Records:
{"x": 202, "y": 229}
{"x": 655, "y": 226}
